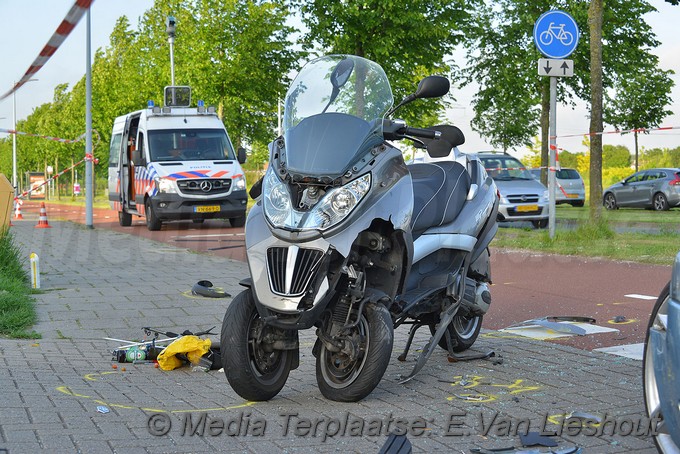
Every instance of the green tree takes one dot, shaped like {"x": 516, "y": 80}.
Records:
{"x": 504, "y": 39}
{"x": 595, "y": 20}
{"x": 615, "y": 156}
{"x": 641, "y": 100}
{"x": 408, "y": 42}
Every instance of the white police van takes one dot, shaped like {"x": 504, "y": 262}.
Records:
{"x": 175, "y": 162}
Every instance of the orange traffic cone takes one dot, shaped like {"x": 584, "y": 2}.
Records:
{"x": 42, "y": 220}
{"x": 17, "y": 212}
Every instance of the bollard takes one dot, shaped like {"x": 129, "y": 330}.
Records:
{"x": 35, "y": 270}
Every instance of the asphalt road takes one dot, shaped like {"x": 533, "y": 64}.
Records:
{"x": 526, "y": 286}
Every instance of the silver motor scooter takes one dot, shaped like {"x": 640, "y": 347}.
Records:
{"x": 348, "y": 239}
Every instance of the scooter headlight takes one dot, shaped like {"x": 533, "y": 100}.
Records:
{"x": 337, "y": 204}
{"x": 277, "y": 204}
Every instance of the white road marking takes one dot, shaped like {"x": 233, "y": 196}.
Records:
{"x": 640, "y": 297}
{"x": 633, "y": 351}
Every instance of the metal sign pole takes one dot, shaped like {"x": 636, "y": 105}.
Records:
{"x": 89, "y": 163}
{"x": 556, "y": 36}
{"x": 551, "y": 153}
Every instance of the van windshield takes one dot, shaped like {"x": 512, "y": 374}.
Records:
{"x": 189, "y": 145}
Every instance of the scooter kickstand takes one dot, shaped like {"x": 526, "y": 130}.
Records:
{"x": 411, "y": 334}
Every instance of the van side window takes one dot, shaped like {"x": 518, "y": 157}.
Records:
{"x": 114, "y": 151}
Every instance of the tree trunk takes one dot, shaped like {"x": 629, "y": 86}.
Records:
{"x": 595, "y": 26}
{"x": 545, "y": 130}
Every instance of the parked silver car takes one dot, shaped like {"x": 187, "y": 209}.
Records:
{"x": 652, "y": 188}
{"x": 570, "y": 187}
{"x": 522, "y": 197}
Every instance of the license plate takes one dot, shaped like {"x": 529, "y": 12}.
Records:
{"x": 572, "y": 196}
{"x": 524, "y": 208}
{"x": 207, "y": 209}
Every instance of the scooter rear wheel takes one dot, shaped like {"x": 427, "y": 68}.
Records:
{"x": 254, "y": 373}
{"x": 463, "y": 331}
{"x": 345, "y": 380}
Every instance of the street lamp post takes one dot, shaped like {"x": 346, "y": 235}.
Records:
{"x": 14, "y": 140}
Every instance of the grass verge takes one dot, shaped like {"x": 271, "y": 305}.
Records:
{"x": 17, "y": 312}
{"x": 594, "y": 240}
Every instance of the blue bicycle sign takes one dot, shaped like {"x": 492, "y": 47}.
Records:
{"x": 556, "y": 34}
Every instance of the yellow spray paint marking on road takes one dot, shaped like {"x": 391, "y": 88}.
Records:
{"x": 94, "y": 377}
{"x": 473, "y": 381}
{"x": 499, "y": 335}
{"x": 625, "y": 322}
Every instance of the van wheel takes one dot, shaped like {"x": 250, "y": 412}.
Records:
{"x": 238, "y": 222}
{"x": 152, "y": 222}
{"x": 124, "y": 218}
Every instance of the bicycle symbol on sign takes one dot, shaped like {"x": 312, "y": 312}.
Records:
{"x": 556, "y": 32}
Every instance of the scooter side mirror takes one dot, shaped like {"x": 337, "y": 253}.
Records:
{"x": 432, "y": 87}
{"x": 341, "y": 73}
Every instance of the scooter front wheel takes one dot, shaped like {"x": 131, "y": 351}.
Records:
{"x": 463, "y": 331}
{"x": 253, "y": 372}
{"x": 350, "y": 378}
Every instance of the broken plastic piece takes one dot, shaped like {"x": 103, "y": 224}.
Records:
{"x": 396, "y": 444}
{"x": 103, "y": 409}
{"x": 536, "y": 439}
{"x": 205, "y": 288}
{"x": 553, "y": 324}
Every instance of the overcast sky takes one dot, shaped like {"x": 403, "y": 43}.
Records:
{"x": 26, "y": 26}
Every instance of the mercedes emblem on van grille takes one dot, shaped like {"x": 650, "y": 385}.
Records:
{"x": 206, "y": 186}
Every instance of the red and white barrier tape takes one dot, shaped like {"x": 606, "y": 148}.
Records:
{"x": 56, "y": 139}
{"x": 88, "y": 157}
{"x": 65, "y": 28}
{"x": 618, "y": 131}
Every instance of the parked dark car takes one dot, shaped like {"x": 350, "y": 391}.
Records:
{"x": 652, "y": 188}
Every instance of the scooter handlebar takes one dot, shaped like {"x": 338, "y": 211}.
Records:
{"x": 422, "y": 133}
{"x": 397, "y": 130}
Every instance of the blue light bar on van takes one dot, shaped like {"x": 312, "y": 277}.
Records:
{"x": 201, "y": 103}
{"x": 201, "y": 106}
{"x": 149, "y": 104}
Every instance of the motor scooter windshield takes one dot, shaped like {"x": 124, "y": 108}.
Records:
{"x": 333, "y": 112}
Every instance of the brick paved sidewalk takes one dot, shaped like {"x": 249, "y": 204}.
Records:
{"x": 99, "y": 283}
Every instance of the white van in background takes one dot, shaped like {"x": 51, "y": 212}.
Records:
{"x": 173, "y": 163}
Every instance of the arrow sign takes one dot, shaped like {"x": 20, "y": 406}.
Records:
{"x": 555, "y": 68}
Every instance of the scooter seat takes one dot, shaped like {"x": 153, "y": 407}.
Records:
{"x": 439, "y": 192}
